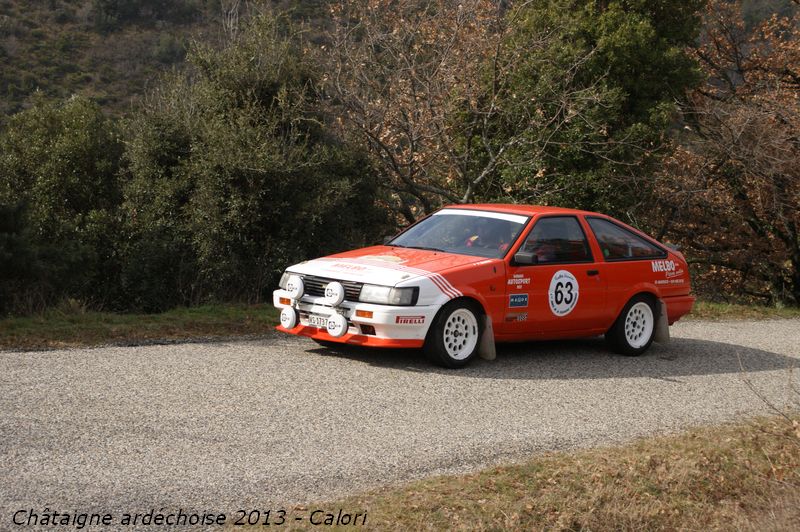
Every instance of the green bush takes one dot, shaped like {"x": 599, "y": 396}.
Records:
{"x": 233, "y": 174}
{"x": 59, "y": 192}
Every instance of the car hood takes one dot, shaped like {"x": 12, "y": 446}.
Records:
{"x": 385, "y": 265}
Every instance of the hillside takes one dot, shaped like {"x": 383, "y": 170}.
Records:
{"x": 110, "y": 50}
{"x": 107, "y": 50}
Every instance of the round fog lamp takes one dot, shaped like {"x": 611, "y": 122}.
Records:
{"x": 337, "y": 325}
{"x": 288, "y": 318}
{"x": 294, "y": 285}
{"x": 334, "y": 293}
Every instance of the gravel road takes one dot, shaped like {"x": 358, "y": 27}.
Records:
{"x": 260, "y": 423}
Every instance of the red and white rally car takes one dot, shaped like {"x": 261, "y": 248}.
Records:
{"x": 469, "y": 275}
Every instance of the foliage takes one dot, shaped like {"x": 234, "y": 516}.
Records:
{"x": 616, "y": 68}
{"x": 546, "y": 102}
{"x": 109, "y": 15}
{"x": 292, "y": 141}
{"x": 731, "y": 191}
{"x": 233, "y": 174}
{"x": 101, "y": 49}
{"x": 397, "y": 74}
{"x": 58, "y": 195}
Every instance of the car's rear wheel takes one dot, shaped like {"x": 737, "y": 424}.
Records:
{"x": 635, "y": 327}
{"x": 455, "y": 334}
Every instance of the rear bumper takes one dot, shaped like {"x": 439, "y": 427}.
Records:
{"x": 678, "y": 306}
{"x": 388, "y": 326}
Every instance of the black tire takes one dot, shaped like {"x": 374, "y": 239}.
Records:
{"x": 441, "y": 347}
{"x": 627, "y": 343}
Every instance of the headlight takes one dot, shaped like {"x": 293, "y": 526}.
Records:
{"x": 294, "y": 286}
{"x": 284, "y": 280}
{"x": 386, "y": 295}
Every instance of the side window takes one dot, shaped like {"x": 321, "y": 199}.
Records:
{"x": 618, "y": 243}
{"x": 558, "y": 239}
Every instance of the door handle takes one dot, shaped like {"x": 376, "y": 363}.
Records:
{"x": 592, "y": 272}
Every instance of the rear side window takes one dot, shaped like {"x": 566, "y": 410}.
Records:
{"x": 558, "y": 239}
{"x": 617, "y": 243}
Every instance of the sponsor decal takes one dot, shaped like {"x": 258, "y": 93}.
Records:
{"x": 563, "y": 293}
{"x": 663, "y": 265}
{"x": 521, "y": 316}
{"x": 385, "y": 258}
{"x": 671, "y": 272}
{"x": 518, "y": 300}
{"x": 519, "y": 280}
{"x": 669, "y": 281}
{"x": 348, "y": 266}
{"x": 410, "y": 320}
{"x": 676, "y": 273}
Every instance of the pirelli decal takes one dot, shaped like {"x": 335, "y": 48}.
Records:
{"x": 410, "y": 320}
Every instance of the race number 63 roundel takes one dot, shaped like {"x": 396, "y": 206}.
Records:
{"x": 563, "y": 293}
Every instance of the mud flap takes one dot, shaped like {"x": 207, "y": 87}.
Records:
{"x": 662, "y": 326}
{"x": 486, "y": 350}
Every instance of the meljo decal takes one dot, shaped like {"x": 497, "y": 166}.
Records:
{"x": 563, "y": 293}
{"x": 663, "y": 265}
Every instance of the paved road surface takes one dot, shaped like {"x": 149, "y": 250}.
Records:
{"x": 222, "y": 426}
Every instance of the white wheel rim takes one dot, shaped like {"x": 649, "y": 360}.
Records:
{"x": 639, "y": 325}
{"x": 460, "y": 334}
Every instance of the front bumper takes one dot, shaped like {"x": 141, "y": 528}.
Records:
{"x": 389, "y": 326}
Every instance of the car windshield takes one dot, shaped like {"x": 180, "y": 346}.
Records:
{"x": 464, "y": 231}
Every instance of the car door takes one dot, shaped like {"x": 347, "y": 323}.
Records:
{"x": 564, "y": 291}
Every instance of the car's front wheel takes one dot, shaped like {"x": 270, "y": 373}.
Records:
{"x": 455, "y": 334}
{"x": 635, "y": 327}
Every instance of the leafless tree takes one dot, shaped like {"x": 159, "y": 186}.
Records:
{"x": 425, "y": 85}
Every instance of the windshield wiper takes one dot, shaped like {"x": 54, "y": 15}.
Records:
{"x": 427, "y": 248}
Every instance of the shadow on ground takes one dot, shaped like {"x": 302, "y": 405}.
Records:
{"x": 580, "y": 359}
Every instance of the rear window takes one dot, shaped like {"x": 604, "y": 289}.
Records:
{"x": 617, "y": 243}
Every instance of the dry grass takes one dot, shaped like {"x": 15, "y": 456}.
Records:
{"x": 705, "y": 310}
{"x": 742, "y": 476}
{"x": 73, "y": 327}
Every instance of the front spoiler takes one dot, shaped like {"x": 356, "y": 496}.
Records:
{"x": 351, "y": 338}
{"x": 391, "y": 326}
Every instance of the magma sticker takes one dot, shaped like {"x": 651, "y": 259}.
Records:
{"x": 518, "y": 300}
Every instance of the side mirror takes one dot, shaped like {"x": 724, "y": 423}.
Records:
{"x": 673, "y": 247}
{"x": 525, "y": 258}
{"x": 387, "y": 239}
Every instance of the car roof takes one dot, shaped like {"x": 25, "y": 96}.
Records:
{"x": 525, "y": 210}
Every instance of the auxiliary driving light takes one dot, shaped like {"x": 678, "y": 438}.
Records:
{"x": 334, "y": 293}
{"x": 289, "y": 318}
{"x": 294, "y": 286}
{"x": 337, "y": 325}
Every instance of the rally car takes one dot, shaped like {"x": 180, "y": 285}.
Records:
{"x": 467, "y": 276}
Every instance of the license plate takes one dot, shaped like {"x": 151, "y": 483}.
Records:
{"x": 318, "y": 321}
